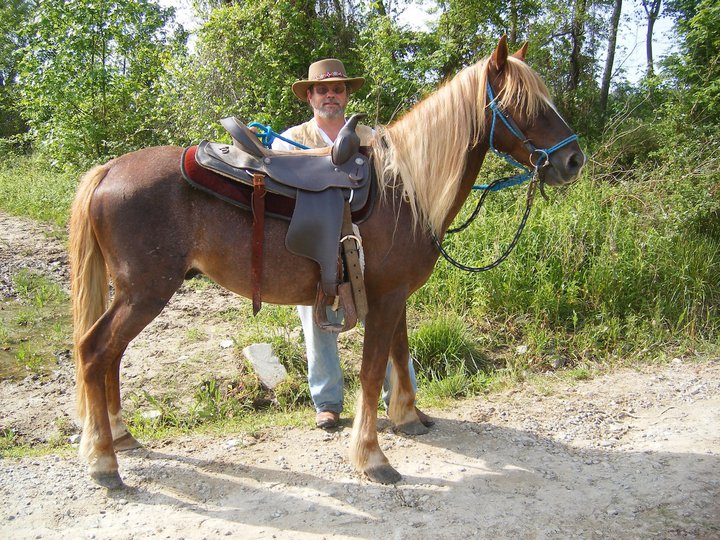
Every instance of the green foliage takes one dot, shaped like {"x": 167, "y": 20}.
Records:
{"x": 247, "y": 56}
{"x": 13, "y": 13}
{"x": 697, "y": 66}
{"x": 34, "y": 326}
{"x": 397, "y": 73}
{"x": 89, "y": 74}
{"x": 609, "y": 268}
{"x": 37, "y": 290}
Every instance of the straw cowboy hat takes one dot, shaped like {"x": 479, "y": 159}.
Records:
{"x": 328, "y": 70}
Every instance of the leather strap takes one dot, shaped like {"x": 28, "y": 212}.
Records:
{"x": 256, "y": 259}
{"x": 351, "y": 249}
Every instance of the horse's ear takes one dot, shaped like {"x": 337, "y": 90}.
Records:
{"x": 521, "y": 53}
{"x": 499, "y": 56}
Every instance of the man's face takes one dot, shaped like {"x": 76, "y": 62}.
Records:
{"x": 328, "y": 100}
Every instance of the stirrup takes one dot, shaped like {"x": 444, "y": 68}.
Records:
{"x": 346, "y": 303}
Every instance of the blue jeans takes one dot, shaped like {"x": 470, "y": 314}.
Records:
{"x": 324, "y": 374}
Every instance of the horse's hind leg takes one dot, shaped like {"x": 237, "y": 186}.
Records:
{"x": 402, "y": 410}
{"x": 100, "y": 350}
{"x": 122, "y": 439}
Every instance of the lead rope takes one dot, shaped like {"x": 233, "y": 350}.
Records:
{"x": 531, "y": 174}
{"x": 530, "y": 197}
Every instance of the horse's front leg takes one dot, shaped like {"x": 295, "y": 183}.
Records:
{"x": 402, "y": 411}
{"x": 365, "y": 452}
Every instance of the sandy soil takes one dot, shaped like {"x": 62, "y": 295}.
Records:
{"x": 631, "y": 454}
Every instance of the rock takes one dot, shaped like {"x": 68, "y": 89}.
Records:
{"x": 267, "y": 366}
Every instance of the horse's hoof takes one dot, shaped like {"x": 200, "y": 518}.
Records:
{"x": 383, "y": 474}
{"x": 413, "y": 428}
{"x": 125, "y": 443}
{"x": 110, "y": 480}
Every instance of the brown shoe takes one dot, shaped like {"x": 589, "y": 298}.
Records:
{"x": 424, "y": 418}
{"x": 327, "y": 419}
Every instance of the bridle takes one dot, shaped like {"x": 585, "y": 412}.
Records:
{"x": 541, "y": 159}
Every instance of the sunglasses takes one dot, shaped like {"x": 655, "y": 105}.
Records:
{"x": 336, "y": 89}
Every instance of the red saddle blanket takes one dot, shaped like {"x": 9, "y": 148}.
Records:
{"x": 238, "y": 194}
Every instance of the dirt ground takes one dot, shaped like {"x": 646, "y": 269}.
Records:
{"x": 631, "y": 454}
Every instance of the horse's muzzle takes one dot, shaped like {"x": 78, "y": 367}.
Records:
{"x": 562, "y": 167}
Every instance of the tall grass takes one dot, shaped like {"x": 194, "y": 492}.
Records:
{"x": 29, "y": 187}
{"x": 608, "y": 268}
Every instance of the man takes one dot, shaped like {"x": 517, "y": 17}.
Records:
{"x": 327, "y": 90}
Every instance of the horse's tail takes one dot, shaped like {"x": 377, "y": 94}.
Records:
{"x": 88, "y": 274}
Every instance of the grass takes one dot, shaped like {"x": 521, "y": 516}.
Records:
{"x": 35, "y": 327}
{"x": 29, "y": 188}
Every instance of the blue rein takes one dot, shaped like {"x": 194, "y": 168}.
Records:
{"x": 267, "y": 136}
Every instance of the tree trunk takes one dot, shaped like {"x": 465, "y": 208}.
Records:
{"x": 652, "y": 10}
{"x": 513, "y": 31}
{"x": 577, "y": 35}
{"x": 610, "y": 59}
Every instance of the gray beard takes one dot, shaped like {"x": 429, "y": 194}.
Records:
{"x": 330, "y": 114}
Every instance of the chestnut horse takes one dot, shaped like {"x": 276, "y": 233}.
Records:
{"x": 137, "y": 222}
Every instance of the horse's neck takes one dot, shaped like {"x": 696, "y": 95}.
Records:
{"x": 475, "y": 159}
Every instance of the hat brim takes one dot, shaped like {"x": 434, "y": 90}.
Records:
{"x": 300, "y": 88}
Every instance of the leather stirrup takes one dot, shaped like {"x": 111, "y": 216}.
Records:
{"x": 346, "y": 303}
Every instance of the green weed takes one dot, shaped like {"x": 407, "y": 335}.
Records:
{"x": 195, "y": 335}
{"x": 4, "y": 335}
{"x": 443, "y": 345}
{"x": 29, "y": 359}
{"x": 29, "y": 188}
{"x": 36, "y": 289}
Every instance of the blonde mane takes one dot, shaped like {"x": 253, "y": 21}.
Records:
{"x": 425, "y": 152}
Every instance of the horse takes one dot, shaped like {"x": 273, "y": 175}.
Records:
{"x": 136, "y": 223}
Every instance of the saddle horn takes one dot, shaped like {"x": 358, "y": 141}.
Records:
{"x": 347, "y": 143}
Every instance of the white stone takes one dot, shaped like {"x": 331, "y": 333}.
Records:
{"x": 267, "y": 366}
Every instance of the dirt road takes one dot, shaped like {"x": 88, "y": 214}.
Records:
{"x": 631, "y": 454}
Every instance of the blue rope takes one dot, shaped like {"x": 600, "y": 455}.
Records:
{"x": 267, "y": 136}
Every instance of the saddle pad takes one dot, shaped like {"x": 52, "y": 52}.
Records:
{"x": 228, "y": 190}
{"x": 239, "y": 194}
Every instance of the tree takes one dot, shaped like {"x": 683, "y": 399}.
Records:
{"x": 247, "y": 57}
{"x": 90, "y": 74}
{"x": 696, "y": 69}
{"x": 610, "y": 58}
{"x": 13, "y": 16}
{"x": 652, "y": 10}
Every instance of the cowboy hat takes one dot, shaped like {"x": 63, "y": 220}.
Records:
{"x": 326, "y": 71}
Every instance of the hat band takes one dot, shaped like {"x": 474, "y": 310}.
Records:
{"x": 329, "y": 74}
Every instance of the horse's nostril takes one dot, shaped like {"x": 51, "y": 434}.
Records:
{"x": 576, "y": 161}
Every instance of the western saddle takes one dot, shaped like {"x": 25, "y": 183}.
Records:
{"x": 327, "y": 185}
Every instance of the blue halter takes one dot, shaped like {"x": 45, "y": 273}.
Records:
{"x": 542, "y": 153}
